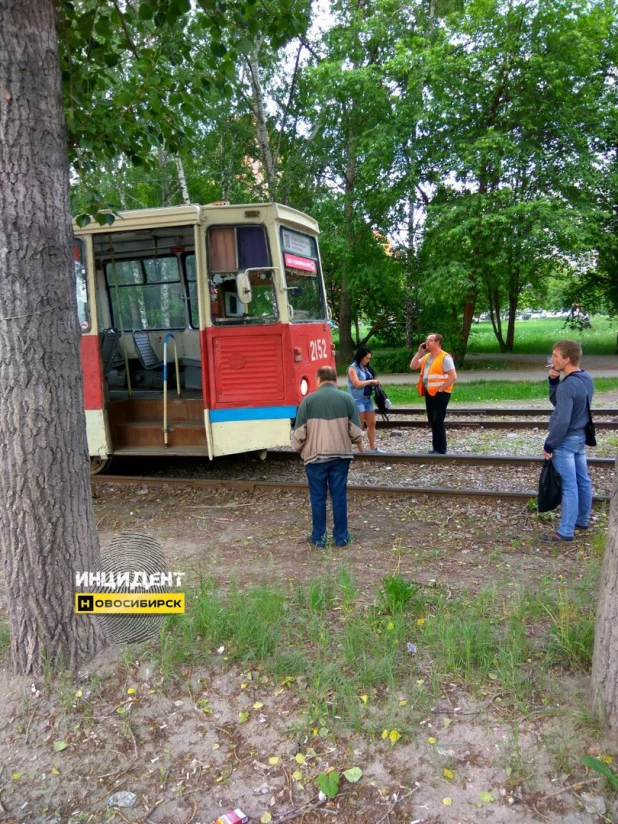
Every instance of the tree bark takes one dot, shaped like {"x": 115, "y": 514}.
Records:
{"x": 47, "y": 529}
{"x": 259, "y": 110}
{"x": 605, "y": 655}
{"x": 346, "y": 347}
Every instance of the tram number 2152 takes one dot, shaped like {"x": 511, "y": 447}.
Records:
{"x": 317, "y": 349}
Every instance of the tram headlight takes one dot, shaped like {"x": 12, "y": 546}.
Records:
{"x": 304, "y": 387}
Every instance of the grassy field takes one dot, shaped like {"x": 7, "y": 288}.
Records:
{"x": 489, "y": 391}
{"x": 532, "y": 337}
{"x": 536, "y": 336}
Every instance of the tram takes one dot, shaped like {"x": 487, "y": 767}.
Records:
{"x": 202, "y": 328}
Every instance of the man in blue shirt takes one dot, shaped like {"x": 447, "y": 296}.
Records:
{"x": 565, "y": 442}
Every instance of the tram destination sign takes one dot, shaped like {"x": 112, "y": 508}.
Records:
{"x": 298, "y": 244}
{"x": 304, "y": 264}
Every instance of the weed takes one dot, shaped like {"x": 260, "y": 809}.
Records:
{"x": 571, "y": 638}
{"x": 396, "y": 593}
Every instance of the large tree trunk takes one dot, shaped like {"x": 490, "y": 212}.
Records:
{"x": 605, "y": 656}
{"x": 47, "y": 529}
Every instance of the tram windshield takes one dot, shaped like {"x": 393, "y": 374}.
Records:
{"x": 302, "y": 275}
{"x": 234, "y": 249}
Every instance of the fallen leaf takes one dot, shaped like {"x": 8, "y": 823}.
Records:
{"x": 297, "y": 775}
{"x": 79, "y": 694}
{"x": 486, "y": 797}
{"x": 243, "y": 716}
{"x": 131, "y": 691}
{"x": 448, "y": 774}
{"x": 266, "y": 818}
{"x": 447, "y": 802}
{"x": 274, "y": 759}
{"x": 16, "y": 776}
{"x": 403, "y": 703}
{"x": 55, "y": 770}
{"x": 60, "y": 745}
{"x": 421, "y": 621}
{"x": 431, "y": 740}
{"x": 353, "y": 775}
{"x": 364, "y": 698}
{"x": 394, "y": 736}
{"x": 390, "y": 626}
{"x": 258, "y": 705}
{"x": 299, "y": 758}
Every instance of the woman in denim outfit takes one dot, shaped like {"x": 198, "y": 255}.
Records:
{"x": 360, "y": 386}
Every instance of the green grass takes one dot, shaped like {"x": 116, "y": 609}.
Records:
{"x": 536, "y": 336}
{"x": 486, "y": 391}
{"x": 332, "y": 647}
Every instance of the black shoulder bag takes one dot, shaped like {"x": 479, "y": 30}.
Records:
{"x": 590, "y": 433}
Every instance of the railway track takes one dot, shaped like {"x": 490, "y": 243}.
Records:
{"x": 450, "y": 458}
{"x": 359, "y": 489}
{"x": 481, "y": 424}
{"x": 496, "y": 411}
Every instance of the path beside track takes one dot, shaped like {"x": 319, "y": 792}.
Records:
{"x": 524, "y": 368}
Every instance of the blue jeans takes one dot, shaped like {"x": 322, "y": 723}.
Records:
{"x": 569, "y": 459}
{"x": 321, "y": 477}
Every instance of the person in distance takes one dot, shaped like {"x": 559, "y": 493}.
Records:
{"x": 435, "y": 384}
{"x": 361, "y": 381}
{"x": 565, "y": 442}
{"x": 327, "y": 424}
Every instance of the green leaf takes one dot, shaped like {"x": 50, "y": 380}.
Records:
{"x": 60, "y": 745}
{"x": 328, "y": 783}
{"x": 145, "y": 12}
{"x": 486, "y": 797}
{"x": 82, "y": 220}
{"x": 353, "y": 775}
{"x": 218, "y": 49}
{"x": 598, "y": 766}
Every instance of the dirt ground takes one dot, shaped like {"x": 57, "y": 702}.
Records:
{"x": 67, "y": 746}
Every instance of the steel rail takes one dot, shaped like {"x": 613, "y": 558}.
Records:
{"x": 424, "y": 458}
{"x": 272, "y": 486}
{"x": 461, "y": 410}
{"x": 450, "y": 424}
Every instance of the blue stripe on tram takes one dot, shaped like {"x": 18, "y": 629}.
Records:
{"x": 254, "y": 413}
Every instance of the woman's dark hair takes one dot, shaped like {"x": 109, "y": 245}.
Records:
{"x": 362, "y": 353}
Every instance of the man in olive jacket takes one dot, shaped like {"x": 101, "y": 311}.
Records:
{"x": 327, "y": 424}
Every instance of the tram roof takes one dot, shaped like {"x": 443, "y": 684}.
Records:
{"x": 213, "y": 213}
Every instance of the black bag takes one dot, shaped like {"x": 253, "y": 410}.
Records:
{"x": 382, "y": 401}
{"x": 589, "y": 430}
{"x": 550, "y": 487}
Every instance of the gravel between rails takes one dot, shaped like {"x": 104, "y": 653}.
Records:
{"x": 507, "y": 478}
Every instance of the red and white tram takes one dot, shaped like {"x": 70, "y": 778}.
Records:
{"x": 224, "y": 303}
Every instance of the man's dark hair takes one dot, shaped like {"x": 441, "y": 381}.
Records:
{"x": 569, "y": 349}
{"x": 326, "y": 373}
{"x": 362, "y": 353}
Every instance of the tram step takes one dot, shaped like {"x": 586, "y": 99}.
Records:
{"x": 150, "y": 433}
{"x": 136, "y": 410}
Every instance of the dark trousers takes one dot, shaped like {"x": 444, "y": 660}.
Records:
{"x": 321, "y": 477}
{"x": 436, "y": 412}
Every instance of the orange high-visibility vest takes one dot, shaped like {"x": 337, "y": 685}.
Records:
{"x": 435, "y": 377}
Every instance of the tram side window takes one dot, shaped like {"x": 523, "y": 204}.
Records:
{"x": 302, "y": 275}
{"x": 232, "y": 249}
{"x": 146, "y": 293}
{"x": 81, "y": 285}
